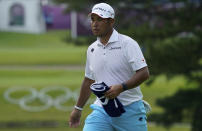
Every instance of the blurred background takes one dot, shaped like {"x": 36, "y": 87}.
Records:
{"x": 43, "y": 47}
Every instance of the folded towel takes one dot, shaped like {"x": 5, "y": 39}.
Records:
{"x": 112, "y": 107}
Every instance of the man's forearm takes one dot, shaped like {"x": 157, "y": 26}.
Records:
{"x": 84, "y": 92}
{"x": 139, "y": 77}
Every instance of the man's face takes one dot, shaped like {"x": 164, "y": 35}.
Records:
{"x": 100, "y": 26}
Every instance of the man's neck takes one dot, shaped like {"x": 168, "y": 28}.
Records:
{"x": 104, "y": 39}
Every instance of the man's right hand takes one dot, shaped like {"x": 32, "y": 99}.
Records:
{"x": 74, "y": 120}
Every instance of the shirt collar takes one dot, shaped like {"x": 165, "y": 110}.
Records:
{"x": 113, "y": 38}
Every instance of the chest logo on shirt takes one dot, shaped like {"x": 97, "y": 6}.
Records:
{"x": 92, "y": 50}
{"x": 115, "y": 48}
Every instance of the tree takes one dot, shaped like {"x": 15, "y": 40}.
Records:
{"x": 179, "y": 51}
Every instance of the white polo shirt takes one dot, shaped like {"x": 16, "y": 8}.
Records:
{"x": 115, "y": 63}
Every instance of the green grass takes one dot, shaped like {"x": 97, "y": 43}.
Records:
{"x": 161, "y": 88}
{"x": 45, "y": 49}
{"x": 43, "y": 56}
{"x": 40, "y": 77}
{"x": 71, "y": 79}
{"x": 50, "y": 39}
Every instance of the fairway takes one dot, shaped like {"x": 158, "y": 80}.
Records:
{"x": 40, "y": 49}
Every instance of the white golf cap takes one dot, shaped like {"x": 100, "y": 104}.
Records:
{"x": 103, "y": 10}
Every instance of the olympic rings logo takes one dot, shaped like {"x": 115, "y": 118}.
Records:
{"x": 44, "y": 97}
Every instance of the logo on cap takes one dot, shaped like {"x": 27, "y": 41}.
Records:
{"x": 98, "y": 8}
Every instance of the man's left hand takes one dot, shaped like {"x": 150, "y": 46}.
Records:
{"x": 114, "y": 91}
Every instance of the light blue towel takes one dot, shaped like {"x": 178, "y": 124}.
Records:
{"x": 112, "y": 107}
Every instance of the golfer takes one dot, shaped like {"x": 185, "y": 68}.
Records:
{"x": 116, "y": 60}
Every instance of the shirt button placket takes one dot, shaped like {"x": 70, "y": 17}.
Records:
{"x": 104, "y": 56}
{"x": 104, "y": 50}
